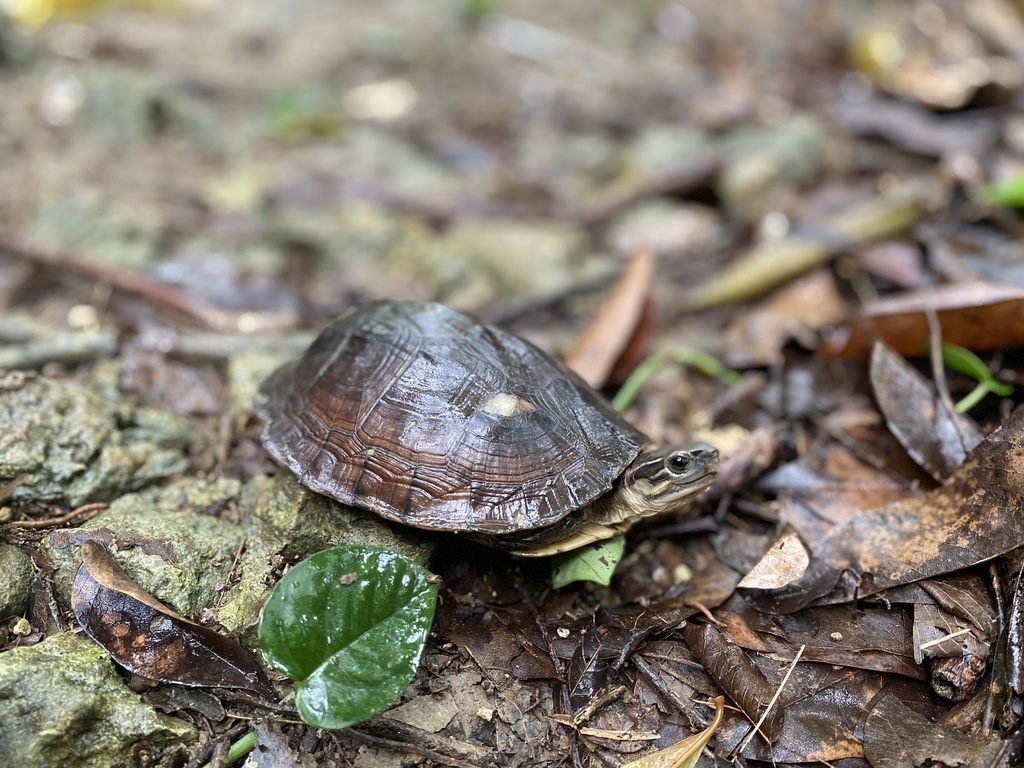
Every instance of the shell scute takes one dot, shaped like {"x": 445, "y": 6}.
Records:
{"x": 427, "y": 417}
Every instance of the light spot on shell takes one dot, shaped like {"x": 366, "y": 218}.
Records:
{"x": 507, "y": 404}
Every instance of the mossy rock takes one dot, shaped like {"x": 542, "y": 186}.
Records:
{"x": 62, "y": 703}
{"x": 63, "y": 441}
{"x": 163, "y": 541}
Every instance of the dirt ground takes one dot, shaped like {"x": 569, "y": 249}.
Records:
{"x": 789, "y": 229}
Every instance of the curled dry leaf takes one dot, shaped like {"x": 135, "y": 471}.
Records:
{"x": 729, "y": 666}
{"x": 616, "y": 333}
{"x": 685, "y": 753}
{"x": 785, "y": 562}
{"x": 746, "y": 462}
{"x": 974, "y": 315}
{"x": 149, "y": 639}
{"x": 972, "y": 518}
{"x": 937, "y": 438}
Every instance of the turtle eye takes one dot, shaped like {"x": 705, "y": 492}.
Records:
{"x": 677, "y": 462}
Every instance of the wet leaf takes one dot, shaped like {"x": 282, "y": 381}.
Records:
{"x": 595, "y": 562}
{"x": 972, "y": 518}
{"x": 896, "y": 736}
{"x": 685, "y": 753}
{"x": 863, "y": 638}
{"x": 935, "y": 437}
{"x": 729, "y": 666}
{"x": 348, "y": 625}
{"x": 149, "y": 639}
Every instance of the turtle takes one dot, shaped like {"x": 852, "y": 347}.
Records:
{"x": 430, "y": 418}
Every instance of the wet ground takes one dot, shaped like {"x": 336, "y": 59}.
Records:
{"x": 189, "y": 192}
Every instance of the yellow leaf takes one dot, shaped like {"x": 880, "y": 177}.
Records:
{"x": 685, "y": 753}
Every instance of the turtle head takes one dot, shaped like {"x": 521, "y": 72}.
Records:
{"x": 658, "y": 481}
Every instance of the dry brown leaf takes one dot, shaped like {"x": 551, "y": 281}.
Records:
{"x": 784, "y": 563}
{"x": 871, "y": 638}
{"x": 150, "y": 640}
{"x": 729, "y": 666}
{"x": 978, "y": 316}
{"x": 616, "y": 324}
{"x": 824, "y": 706}
{"x": 796, "y": 311}
{"x": 974, "y": 517}
{"x": 685, "y": 753}
{"x": 937, "y": 438}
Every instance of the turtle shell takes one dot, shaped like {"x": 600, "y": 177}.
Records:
{"x": 430, "y": 418}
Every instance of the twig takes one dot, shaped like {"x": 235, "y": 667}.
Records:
{"x": 938, "y": 368}
{"x": 79, "y": 514}
{"x": 408, "y": 748}
{"x": 771, "y": 704}
{"x": 128, "y": 282}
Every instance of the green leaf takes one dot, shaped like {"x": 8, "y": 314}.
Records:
{"x": 594, "y": 562}
{"x": 966, "y": 362}
{"x": 696, "y": 358}
{"x": 962, "y": 360}
{"x": 348, "y": 626}
{"x": 1009, "y": 192}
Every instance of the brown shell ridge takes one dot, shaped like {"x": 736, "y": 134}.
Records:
{"x": 392, "y": 408}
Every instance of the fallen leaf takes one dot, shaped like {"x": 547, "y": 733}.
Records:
{"x": 871, "y": 638}
{"x": 977, "y": 316}
{"x": 785, "y": 562}
{"x": 774, "y": 262}
{"x": 824, "y": 707}
{"x": 897, "y": 736}
{"x": 615, "y": 331}
{"x": 972, "y": 518}
{"x": 937, "y": 438}
{"x": 152, "y": 641}
{"x": 685, "y": 753}
{"x": 895, "y": 261}
{"x": 833, "y": 487}
{"x": 729, "y": 666}
{"x": 796, "y": 311}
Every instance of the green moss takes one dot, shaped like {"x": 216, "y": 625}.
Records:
{"x": 62, "y": 703}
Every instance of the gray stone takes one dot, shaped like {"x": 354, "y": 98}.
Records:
{"x": 180, "y": 556}
{"x": 15, "y": 580}
{"x": 65, "y": 441}
{"x": 62, "y": 703}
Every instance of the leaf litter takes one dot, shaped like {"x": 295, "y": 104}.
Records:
{"x": 898, "y": 641}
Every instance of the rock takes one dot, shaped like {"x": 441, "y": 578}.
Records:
{"x": 65, "y": 441}
{"x": 15, "y": 580}
{"x": 163, "y": 541}
{"x": 286, "y": 522}
{"x": 62, "y": 703}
